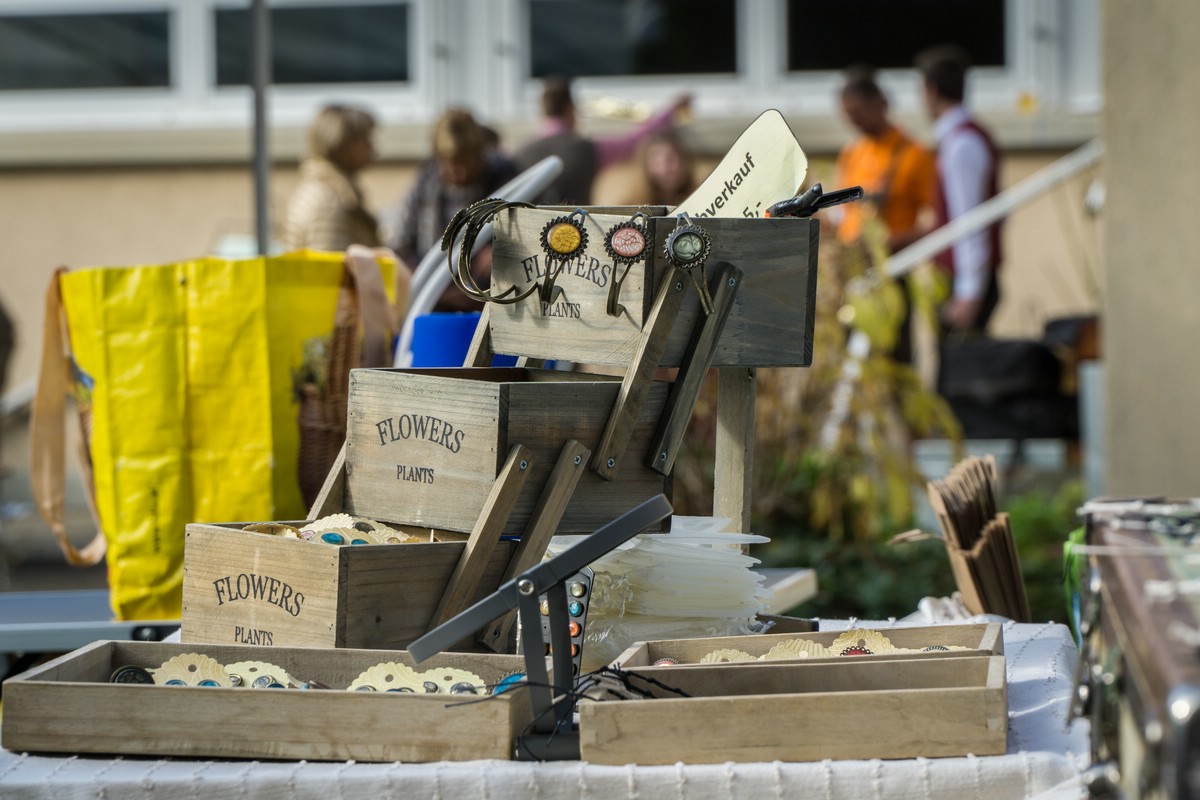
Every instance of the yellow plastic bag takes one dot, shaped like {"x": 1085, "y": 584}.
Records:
{"x": 186, "y": 372}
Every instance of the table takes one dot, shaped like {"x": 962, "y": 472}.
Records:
{"x": 789, "y": 588}
{"x": 1045, "y": 760}
{"x": 60, "y": 621}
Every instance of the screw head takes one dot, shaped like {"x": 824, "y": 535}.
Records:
{"x": 612, "y": 462}
{"x": 524, "y": 464}
{"x": 525, "y": 586}
{"x": 733, "y": 282}
{"x": 662, "y": 456}
{"x": 678, "y": 286}
{"x": 578, "y": 460}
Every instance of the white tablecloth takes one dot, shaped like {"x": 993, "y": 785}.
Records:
{"x": 1045, "y": 758}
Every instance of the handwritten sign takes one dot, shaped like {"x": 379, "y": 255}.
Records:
{"x": 765, "y": 165}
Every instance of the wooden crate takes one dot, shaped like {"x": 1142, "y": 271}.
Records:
{"x": 68, "y": 706}
{"x": 250, "y": 588}
{"x": 426, "y": 445}
{"x": 981, "y": 639}
{"x": 796, "y": 711}
{"x": 770, "y": 325}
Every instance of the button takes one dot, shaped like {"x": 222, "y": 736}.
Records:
{"x": 574, "y": 649}
{"x": 575, "y": 609}
{"x": 575, "y": 629}
{"x": 331, "y": 537}
{"x": 508, "y": 682}
{"x": 578, "y": 589}
{"x": 359, "y": 541}
{"x": 545, "y": 608}
{"x": 131, "y": 675}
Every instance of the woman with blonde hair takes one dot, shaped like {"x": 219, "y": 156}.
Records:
{"x": 465, "y": 167}
{"x": 327, "y": 211}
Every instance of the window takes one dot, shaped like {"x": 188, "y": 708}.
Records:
{"x": 318, "y": 44}
{"x": 127, "y": 50}
{"x": 888, "y": 34}
{"x": 595, "y": 38}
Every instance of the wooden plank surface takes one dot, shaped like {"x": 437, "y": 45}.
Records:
{"x": 441, "y": 481}
{"x": 545, "y": 412}
{"x": 391, "y": 594}
{"x": 259, "y": 589}
{"x": 252, "y": 588}
{"x": 423, "y": 445}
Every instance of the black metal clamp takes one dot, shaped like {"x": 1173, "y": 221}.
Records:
{"x": 551, "y": 736}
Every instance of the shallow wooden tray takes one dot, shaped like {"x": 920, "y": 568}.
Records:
{"x": 798, "y": 711}
{"x": 980, "y": 639}
{"x": 68, "y": 706}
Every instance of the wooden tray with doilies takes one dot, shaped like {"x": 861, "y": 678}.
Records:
{"x": 68, "y": 705}
{"x": 918, "y": 642}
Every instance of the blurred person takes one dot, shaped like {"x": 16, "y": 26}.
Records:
{"x": 326, "y": 211}
{"x": 897, "y": 174}
{"x": 583, "y": 157}
{"x": 968, "y": 164}
{"x": 466, "y": 166}
{"x": 668, "y": 168}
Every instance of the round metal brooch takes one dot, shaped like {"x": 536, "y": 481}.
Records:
{"x": 688, "y": 246}
{"x": 626, "y": 241}
{"x": 563, "y": 238}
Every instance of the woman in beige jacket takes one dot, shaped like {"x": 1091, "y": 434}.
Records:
{"x": 326, "y": 211}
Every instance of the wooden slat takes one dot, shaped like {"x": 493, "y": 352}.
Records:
{"x": 480, "y": 352}
{"x": 331, "y": 498}
{"x": 664, "y": 446}
{"x": 543, "y": 524}
{"x": 486, "y": 535}
{"x": 611, "y": 450}
{"x": 733, "y": 471}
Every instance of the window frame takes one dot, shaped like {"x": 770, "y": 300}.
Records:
{"x": 1053, "y": 52}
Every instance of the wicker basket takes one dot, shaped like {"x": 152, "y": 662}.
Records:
{"x": 361, "y": 338}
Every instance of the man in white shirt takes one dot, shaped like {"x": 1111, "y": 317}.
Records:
{"x": 967, "y": 168}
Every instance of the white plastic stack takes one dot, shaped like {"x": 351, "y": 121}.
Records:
{"x": 693, "y": 581}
